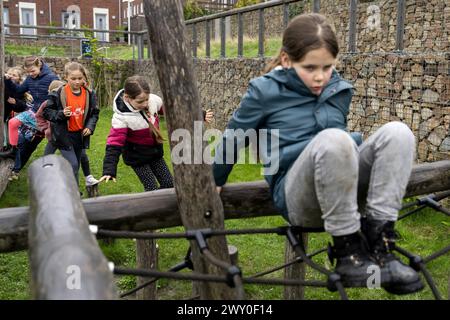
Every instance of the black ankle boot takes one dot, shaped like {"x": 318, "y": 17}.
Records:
{"x": 9, "y": 153}
{"x": 353, "y": 260}
{"x": 396, "y": 277}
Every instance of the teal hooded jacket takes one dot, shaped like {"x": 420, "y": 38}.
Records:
{"x": 291, "y": 115}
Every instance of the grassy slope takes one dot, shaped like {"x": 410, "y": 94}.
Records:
{"x": 271, "y": 47}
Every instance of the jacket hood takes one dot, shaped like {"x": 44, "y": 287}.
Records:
{"x": 122, "y": 107}
{"x": 290, "y": 79}
{"x": 45, "y": 70}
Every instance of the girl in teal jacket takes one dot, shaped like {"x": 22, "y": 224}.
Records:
{"x": 318, "y": 169}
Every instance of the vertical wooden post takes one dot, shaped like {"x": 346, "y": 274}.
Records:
{"x": 199, "y": 204}
{"x": 65, "y": 259}
{"x": 146, "y": 258}
{"x": 294, "y": 271}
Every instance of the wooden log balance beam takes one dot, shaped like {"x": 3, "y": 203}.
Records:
{"x": 158, "y": 209}
{"x": 65, "y": 260}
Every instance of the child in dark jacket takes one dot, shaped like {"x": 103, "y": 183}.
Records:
{"x": 322, "y": 169}
{"x": 73, "y": 113}
{"x": 45, "y": 126}
{"x": 15, "y": 103}
{"x": 135, "y": 134}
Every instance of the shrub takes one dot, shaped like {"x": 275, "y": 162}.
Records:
{"x": 193, "y": 10}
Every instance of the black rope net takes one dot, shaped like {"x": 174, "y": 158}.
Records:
{"x": 233, "y": 276}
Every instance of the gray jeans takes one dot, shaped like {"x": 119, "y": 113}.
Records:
{"x": 324, "y": 184}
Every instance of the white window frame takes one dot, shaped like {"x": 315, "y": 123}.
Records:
{"x": 142, "y": 7}
{"x": 101, "y": 11}
{"x": 27, "y": 5}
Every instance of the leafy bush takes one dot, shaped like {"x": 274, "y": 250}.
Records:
{"x": 193, "y": 10}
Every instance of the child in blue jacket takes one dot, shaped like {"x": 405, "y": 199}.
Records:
{"x": 37, "y": 82}
{"x": 303, "y": 102}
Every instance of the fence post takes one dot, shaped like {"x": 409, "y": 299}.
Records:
{"x": 194, "y": 40}
{"x": 140, "y": 48}
{"x": 285, "y": 14}
{"x": 222, "y": 37}
{"x": 261, "y": 33}
{"x": 316, "y": 6}
{"x": 401, "y": 11}
{"x": 133, "y": 39}
{"x": 352, "y": 26}
{"x": 208, "y": 38}
{"x": 240, "y": 35}
{"x": 65, "y": 259}
{"x": 141, "y": 43}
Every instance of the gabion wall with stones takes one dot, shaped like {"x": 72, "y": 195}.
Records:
{"x": 414, "y": 89}
{"x": 110, "y": 83}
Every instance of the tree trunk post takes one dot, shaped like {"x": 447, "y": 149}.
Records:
{"x": 199, "y": 204}
{"x": 146, "y": 258}
{"x": 65, "y": 260}
{"x": 294, "y": 271}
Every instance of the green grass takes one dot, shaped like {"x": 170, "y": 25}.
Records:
{"x": 122, "y": 52}
{"x": 423, "y": 233}
{"x": 250, "y": 48}
{"x": 21, "y": 50}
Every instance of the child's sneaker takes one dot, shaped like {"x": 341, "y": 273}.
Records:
{"x": 90, "y": 180}
{"x": 13, "y": 176}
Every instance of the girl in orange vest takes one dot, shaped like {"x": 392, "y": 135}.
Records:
{"x": 73, "y": 113}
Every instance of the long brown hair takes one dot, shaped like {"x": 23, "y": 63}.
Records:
{"x": 75, "y": 66}
{"x": 32, "y": 61}
{"x": 133, "y": 87}
{"x": 303, "y": 34}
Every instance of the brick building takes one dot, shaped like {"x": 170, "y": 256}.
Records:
{"x": 97, "y": 14}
